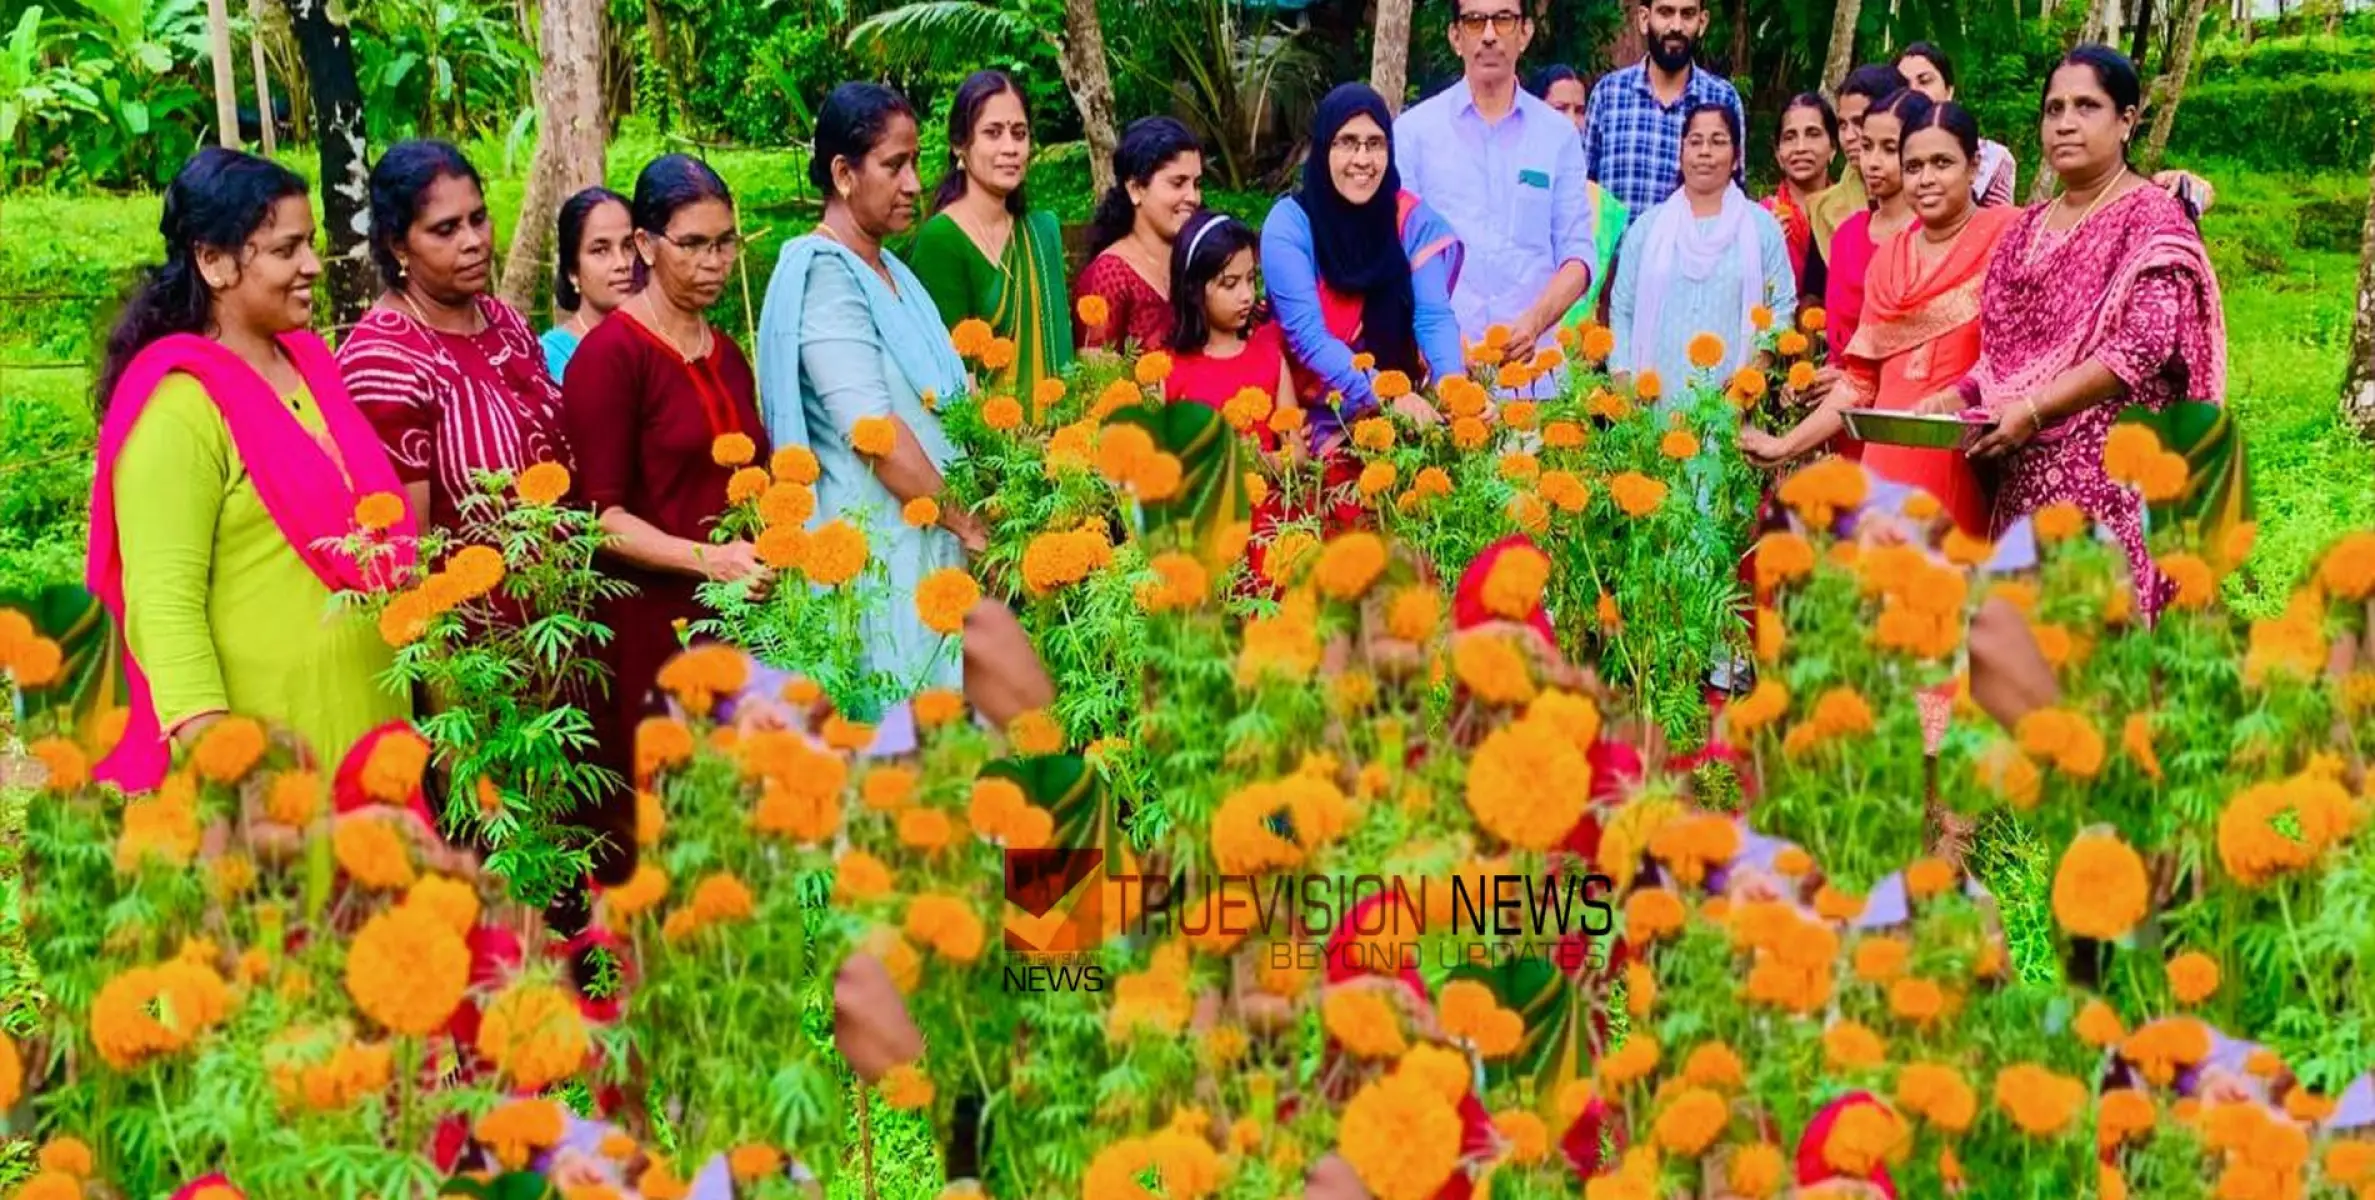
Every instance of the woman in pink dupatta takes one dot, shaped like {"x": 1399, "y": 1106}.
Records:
{"x": 230, "y": 461}
{"x": 2098, "y": 300}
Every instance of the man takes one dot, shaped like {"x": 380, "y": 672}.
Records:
{"x": 1505, "y": 169}
{"x": 1632, "y": 133}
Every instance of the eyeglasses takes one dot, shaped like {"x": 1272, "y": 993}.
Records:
{"x": 700, "y": 247}
{"x": 1348, "y": 143}
{"x": 1507, "y": 23}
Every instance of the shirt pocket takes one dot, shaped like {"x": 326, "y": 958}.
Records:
{"x": 1532, "y": 212}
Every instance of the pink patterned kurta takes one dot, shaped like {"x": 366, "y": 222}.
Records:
{"x": 449, "y": 406}
{"x": 2129, "y": 287}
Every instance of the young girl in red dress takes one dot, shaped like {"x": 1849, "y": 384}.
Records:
{"x": 1219, "y": 348}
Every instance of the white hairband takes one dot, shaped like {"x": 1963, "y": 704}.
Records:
{"x": 1218, "y": 219}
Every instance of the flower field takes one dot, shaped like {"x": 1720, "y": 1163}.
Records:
{"x": 1270, "y": 666}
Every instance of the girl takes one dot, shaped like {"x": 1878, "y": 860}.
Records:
{"x": 1219, "y": 349}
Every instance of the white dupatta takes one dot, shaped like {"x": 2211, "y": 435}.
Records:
{"x": 1677, "y": 251}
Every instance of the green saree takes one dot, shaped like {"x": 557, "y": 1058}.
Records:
{"x": 1023, "y": 298}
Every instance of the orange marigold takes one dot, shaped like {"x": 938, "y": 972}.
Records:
{"x": 1349, "y": 564}
{"x": 1400, "y": 1137}
{"x": 1636, "y": 494}
{"x": 2100, "y": 890}
{"x": 1705, "y": 350}
{"x": 732, "y": 449}
{"x": 2040, "y": 1102}
{"x": 836, "y": 553}
{"x": 379, "y": 511}
{"x": 944, "y": 598}
{"x": 407, "y": 970}
{"x": 542, "y": 484}
{"x": 373, "y": 853}
{"x": 534, "y": 1035}
{"x": 1691, "y": 1121}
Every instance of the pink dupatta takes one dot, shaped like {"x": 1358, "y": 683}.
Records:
{"x": 310, "y": 495}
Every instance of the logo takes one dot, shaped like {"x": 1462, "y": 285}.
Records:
{"x": 1055, "y": 918}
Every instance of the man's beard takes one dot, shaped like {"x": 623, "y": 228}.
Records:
{"x": 1670, "y": 57}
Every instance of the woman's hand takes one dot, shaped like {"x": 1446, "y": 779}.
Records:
{"x": 190, "y": 731}
{"x": 1415, "y": 409}
{"x": 970, "y": 532}
{"x": 1826, "y": 378}
{"x": 734, "y": 562}
{"x": 2011, "y": 434}
{"x": 1763, "y": 449}
{"x": 1943, "y": 402}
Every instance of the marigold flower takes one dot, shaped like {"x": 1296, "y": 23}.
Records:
{"x": 2160, "y": 1049}
{"x": 1492, "y": 667}
{"x": 944, "y": 598}
{"x": 1400, "y": 1137}
{"x": 935, "y": 707}
{"x": 1376, "y": 479}
{"x": 1153, "y": 368}
{"x": 2063, "y": 738}
{"x": 1349, "y": 564}
{"x": 1092, "y": 310}
{"x": 66, "y": 1156}
{"x": 1939, "y": 1094}
{"x": 1598, "y": 342}
{"x": 2193, "y": 977}
{"x": 1035, "y": 733}
{"x": 1705, "y": 350}
{"x": 542, "y": 484}
{"x": 407, "y": 970}
{"x": 1849, "y": 1046}
{"x": 946, "y": 924}
{"x": 1636, "y": 494}
{"x": 1691, "y": 1121}
{"x": 1565, "y": 492}
{"x": 1631, "y": 1063}
{"x": 520, "y": 1128}
{"x": 837, "y": 551}
{"x": 1652, "y": 913}
{"x": 1513, "y": 587}
{"x": 2100, "y": 890}
{"x": 1181, "y": 582}
{"x": 925, "y": 829}
{"x": 1801, "y": 376}
{"x": 721, "y": 897}
{"x": 2121, "y": 1114}
{"x": 1714, "y": 1065}
{"x": 229, "y": 749}
{"x": 754, "y": 1161}
{"x": 1864, "y": 1138}
{"x": 162, "y": 827}
{"x": 802, "y": 814}
{"x": 1469, "y": 433}
{"x": 534, "y": 1035}
{"x": 2040, "y": 1102}
{"x": 1879, "y": 958}
{"x": 1061, "y": 558}
{"x": 971, "y": 336}
{"x": 640, "y": 894}
{"x": 1678, "y": 444}
{"x": 1919, "y": 1001}
{"x": 373, "y": 853}
{"x": 379, "y": 511}
{"x": 732, "y": 449}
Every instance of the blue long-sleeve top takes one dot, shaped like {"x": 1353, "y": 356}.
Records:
{"x": 1292, "y": 275}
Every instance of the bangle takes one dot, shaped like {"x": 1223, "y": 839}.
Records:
{"x": 2036, "y": 420}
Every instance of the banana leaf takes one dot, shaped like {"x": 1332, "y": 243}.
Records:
{"x": 1211, "y": 495}
{"x": 511, "y": 1185}
{"x": 2218, "y": 492}
{"x": 91, "y": 678}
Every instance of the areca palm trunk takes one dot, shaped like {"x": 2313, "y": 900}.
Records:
{"x": 2358, "y": 384}
{"x": 2179, "y": 65}
{"x": 1389, "y": 52}
{"x": 337, "y": 104}
{"x": 569, "y": 136}
{"x": 1841, "y": 56}
{"x": 1089, "y": 77}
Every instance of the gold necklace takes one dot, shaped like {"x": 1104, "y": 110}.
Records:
{"x": 701, "y": 346}
{"x": 2060, "y": 205}
{"x": 879, "y": 269}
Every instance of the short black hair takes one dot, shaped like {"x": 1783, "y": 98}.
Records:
{"x": 1930, "y": 53}
{"x": 2111, "y": 69}
{"x": 1956, "y": 120}
{"x": 1549, "y": 77}
{"x": 850, "y": 125}
{"x": 1731, "y": 123}
{"x": 398, "y": 180}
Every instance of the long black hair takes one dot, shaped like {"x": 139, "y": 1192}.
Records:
{"x": 218, "y": 200}
{"x": 1871, "y": 81}
{"x": 1731, "y": 122}
{"x": 1146, "y": 147}
{"x": 666, "y": 186}
{"x": 398, "y": 181}
{"x": 850, "y": 125}
{"x": 570, "y": 242}
{"x": 964, "y": 114}
{"x": 1358, "y": 247}
{"x": 1206, "y": 244}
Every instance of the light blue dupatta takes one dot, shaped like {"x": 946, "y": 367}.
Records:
{"x": 907, "y": 324}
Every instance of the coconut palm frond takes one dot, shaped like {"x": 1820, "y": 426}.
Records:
{"x": 941, "y": 33}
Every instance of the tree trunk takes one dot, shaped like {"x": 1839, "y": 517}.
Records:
{"x": 1389, "y": 52}
{"x": 569, "y": 136}
{"x": 338, "y": 133}
{"x": 1739, "y": 53}
{"x": 2180, "y": 65}
{"x": 2358, "y": 383}
{"x": 1630, "y": 46}
{"x": 1841, "y": 58}
{"x": 1081, "y": 57}
{"x": 2102, "y": 23}
{"x": 226, "y": 76}
{"x": 655, "y": 26}
{"x": 255, "y": 48}
{"x": 2141, "y": 44}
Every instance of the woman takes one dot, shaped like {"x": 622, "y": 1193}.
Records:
{"x": 1808, "y": 141}
{"x": 229, "y": 454}
{"x": 451, "y": 377}
{"x": 2101, "y": 299}
{"x": 1358, "y": 266}
{"x": 1699, "y": 263}
{"x": 594, "y": 271}
{"x": 661, "y": 386}
{"x": 1920, "y": 328}
{"x": 1563, "y": 89}
{"x": 1158, "y": 173}
{"x": 984, "y": 254}
{"x": 850, "y": 334}
{"x": 1881, "y": 132}
{"x": 1929, "y": 72}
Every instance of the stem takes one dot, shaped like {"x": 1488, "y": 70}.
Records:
{"x": 156, "y": 1084}
{"x": 2292, "y": 941}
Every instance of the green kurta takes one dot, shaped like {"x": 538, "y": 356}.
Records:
{"x": 1022, "y": 298}
{"x": 219, "y": 611}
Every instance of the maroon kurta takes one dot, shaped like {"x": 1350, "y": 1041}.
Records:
{"x": 641, "y": 420}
